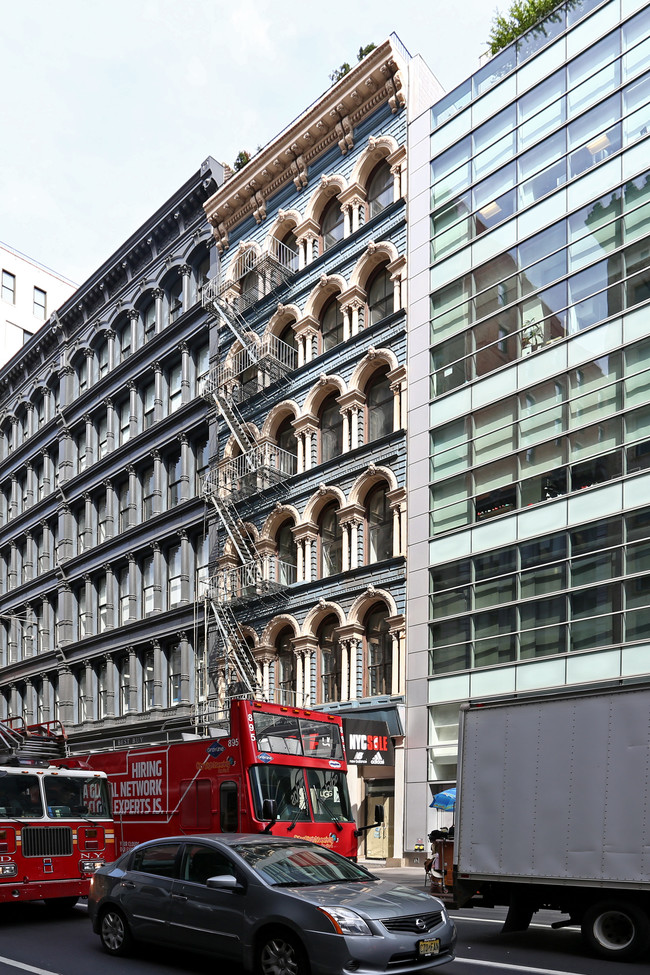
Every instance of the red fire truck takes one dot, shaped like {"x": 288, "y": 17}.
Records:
{"x": 273, "y": 768}
{"x": 55, "y": 823}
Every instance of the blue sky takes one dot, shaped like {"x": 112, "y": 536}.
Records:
{"x": 110, "y": 105}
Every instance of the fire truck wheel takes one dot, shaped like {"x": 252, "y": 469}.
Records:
{"x": 114, "y": 932}
{"x": 281, "y": 953}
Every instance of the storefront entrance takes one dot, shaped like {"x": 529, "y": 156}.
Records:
{"x": 379, "y": 839}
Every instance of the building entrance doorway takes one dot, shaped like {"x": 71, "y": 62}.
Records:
{"x": 379, "y": 839}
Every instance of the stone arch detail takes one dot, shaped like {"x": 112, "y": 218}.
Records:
{"x": 317, "y": 613}
{"x": 371, "y": 476}
{"x": 373, "y": 360}
{"x": 287, "y": 407}
{"x": 316, "y": 395}
{"x": 281, "y": 317}
{"x": 329, "y": 186}
{"x": 325, "y": 494}
{"x": 274, "y": 626}
{"x": 375, "y": 254}
{"x": 284, "y": 221}
{"x": 276, "y": 518}
{"x": 328, "y": 285}
{"x": 367, "y": 600}
{"x": 377, "y": 149}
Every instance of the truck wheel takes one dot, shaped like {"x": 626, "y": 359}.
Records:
{"x": 280, "y": 953}
{"x": 114, "y": 932}
{"x": 616, "y": 929}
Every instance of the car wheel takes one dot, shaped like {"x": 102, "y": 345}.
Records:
{"x": 616, "y": 929}
{"x": 280, "y": 953}
{"x": 114, "y": 932}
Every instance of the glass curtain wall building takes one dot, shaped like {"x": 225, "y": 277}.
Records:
{"x": 529, "y": 365}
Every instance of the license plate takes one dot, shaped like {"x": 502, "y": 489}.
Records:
{"x": 428, "y": 946}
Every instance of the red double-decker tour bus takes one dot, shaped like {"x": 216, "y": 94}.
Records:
{"x": 55, "y": 823}
{"x": 268, "y": 767}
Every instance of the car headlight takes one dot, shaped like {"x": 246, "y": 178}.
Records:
{"x": 346, "y": 921}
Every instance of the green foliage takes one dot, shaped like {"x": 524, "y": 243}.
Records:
{"x": 242, "y": 158}
{"x": 340, "y": 72}
{"x": 522, "y": 15}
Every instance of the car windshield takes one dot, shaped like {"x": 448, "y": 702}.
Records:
{"x": 287, "y": 864}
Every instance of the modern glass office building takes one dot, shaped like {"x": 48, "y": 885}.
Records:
{"x": 529, "y": 378}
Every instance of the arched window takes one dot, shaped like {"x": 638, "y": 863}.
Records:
{"x": 329, "y": 661}
{"x": 380, "y": 296}
{"x": 379, "y": 658}
{"x": 330, "y": 538}
{"x": 285, "y": 669}
{"x": 379, "y": 406}
{"x": 287, "y": 554}
{"x": 286, "y": 250}
{"x": 200, "y": 277}
{"x": 331, "y": 325}
{"x": 379, "y": 524}
{"x": 331, "y": 429}
{"x": 149, "y": 320}
{"x": 288, "y": 336}
{"x": 380, "y": 189}
{"x": 331, "y": 225}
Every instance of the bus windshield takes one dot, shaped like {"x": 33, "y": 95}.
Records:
{"x": 289, "y": 787}
{"x": 287, "y": 735}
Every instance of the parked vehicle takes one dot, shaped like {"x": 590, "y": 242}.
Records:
{"x": 275, "y": 905}
{"x": 553, "y": 812}
{"x": 264, "y": 757}
{"x": 55, "y": 823}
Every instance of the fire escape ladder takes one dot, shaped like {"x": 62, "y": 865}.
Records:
{"x": 237, "y": 325}
{"x": 229, "y": 519}
{"x": 235, "y": 645}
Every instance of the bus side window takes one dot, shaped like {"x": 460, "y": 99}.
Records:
{"x": 229, "y": 807}
{"x": 196, "y": 805}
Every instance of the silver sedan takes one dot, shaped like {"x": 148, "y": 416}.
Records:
{"x": 274, "y": 905}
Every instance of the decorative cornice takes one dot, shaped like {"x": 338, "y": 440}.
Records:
{"x": 329, "y": 122}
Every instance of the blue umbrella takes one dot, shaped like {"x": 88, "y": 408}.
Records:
{"x": 445, "y": 800}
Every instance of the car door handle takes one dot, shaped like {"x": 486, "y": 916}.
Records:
{"x": 128, "y": 883}
{"x": 179, "y": 897}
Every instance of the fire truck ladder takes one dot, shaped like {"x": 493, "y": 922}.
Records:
{"x": 32, "y": 743}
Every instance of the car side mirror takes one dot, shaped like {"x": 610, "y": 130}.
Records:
{"x": 224, "y": 882}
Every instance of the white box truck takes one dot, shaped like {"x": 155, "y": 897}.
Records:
{"x": 553, "y": 812}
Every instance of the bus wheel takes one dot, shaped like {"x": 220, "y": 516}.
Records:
{"x": 280, "y": 953}
{"x": 114, "y": 932}
{"x": 616, "y": 929}
{"x": 60, "y": 905}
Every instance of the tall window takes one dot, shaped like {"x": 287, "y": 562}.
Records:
{"x": 287, "y": 555}
{"x": 285, "y": 669}
{"x": 174, "y": 479}
{"x": 380, "y": 527}
{"x": 149, "y": 320}
{"x": 124, "y": 504}
{"x": 330, "y": 546}
{"x": 148, "y": 589}
{"x": 380, "y": 189}
{"x": 174, "y": 688}
{"x": 148, "y": 494}
{"x": 331, "y": 325}
{"x": 175, "y": 386}
{"x": 380, "y": 296}
{"x": 124, "y": 670}
{"x": 9, "y": 287}
{"x": 83, "y": 614}
{"x": 102, "y": 605}
{"x": 40, "y": 304}
{"x": 83, "y": 702}
{"x": 331, "y": 430}
{"x": 102, "y": 690}
{"x": 102, "y": 437}
{"x": 147, "y": 681}
{"x": 124, "y": 584}
{"x": 149, "y": 405}
{"x": 331, "y": 225}
{"x": 379, "y": 660}
{"x": 124, "y": 420}
{"x": 174, "y": 576}
{"x": 102, "y": 519}
{"x": 379, "y": 406}
{"x": 175, "y": 297}
{"x": 124, "y": 336}
{"x": 330, "y": 661}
